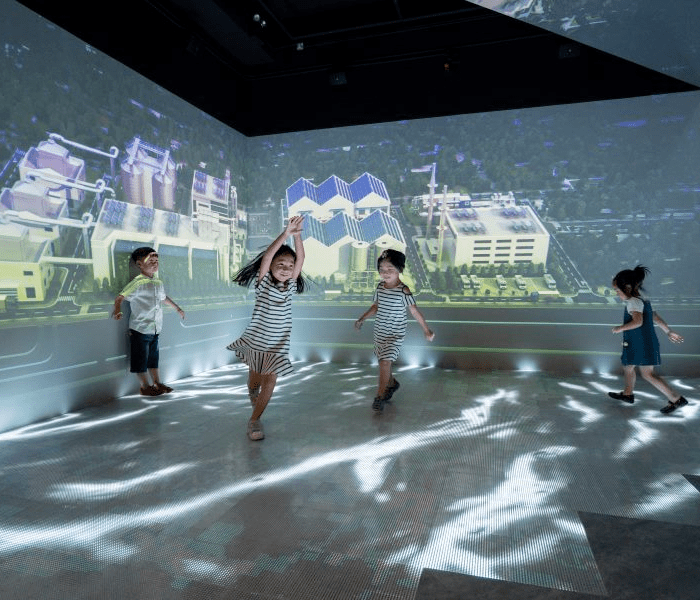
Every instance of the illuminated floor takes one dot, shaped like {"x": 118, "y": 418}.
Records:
{"x": 471, "y": 485}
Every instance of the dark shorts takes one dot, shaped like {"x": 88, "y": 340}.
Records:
{"x": 144, "y": 351}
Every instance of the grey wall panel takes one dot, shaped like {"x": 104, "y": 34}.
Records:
{"x": 51, "y": 369}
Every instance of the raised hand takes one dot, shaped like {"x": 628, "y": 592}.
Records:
{"x": 295, "y": 225}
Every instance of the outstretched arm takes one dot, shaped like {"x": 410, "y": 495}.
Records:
{"x": 418, "y": 316}
{"x": 372, "y": 310}
{"x": 294, "y": 226}
{"x": 175, "y": 306}
{"x": 672, "y": 335}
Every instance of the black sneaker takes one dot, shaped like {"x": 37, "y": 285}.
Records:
{"x": 671, "y": 406}
{"x": 391, "y": 389}
{"x": 620, "y": 396}
{"x": 378, "y": 404}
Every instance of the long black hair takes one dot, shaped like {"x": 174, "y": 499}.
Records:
{"x": 629, "y": 281}
{"x": 249, "y": 273}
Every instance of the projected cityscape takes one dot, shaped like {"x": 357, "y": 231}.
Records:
{"x": 519, "y": 207}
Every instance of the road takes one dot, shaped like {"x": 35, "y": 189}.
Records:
{"x": 46, "y": 356}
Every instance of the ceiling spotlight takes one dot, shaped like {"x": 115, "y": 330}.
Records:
{"x": 256, "y": 18}
{"x": 300, "y": 46}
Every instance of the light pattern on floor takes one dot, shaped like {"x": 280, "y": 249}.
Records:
{"x": 471, "y": 472}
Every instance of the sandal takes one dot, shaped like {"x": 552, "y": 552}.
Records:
{"x": 379, "y": 402}
{"x": 391, "y": 389}
{"x": 671, "y": 406}
{"x": 150, "y": 390}
{"x": 255, "y": 430}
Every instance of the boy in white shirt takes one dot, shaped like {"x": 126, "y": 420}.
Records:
{"x": 145, "y": 292}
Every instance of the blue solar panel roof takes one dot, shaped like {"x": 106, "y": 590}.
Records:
{"x": 364, "y": 185}
{"x": 333, "y": 186}
{"x": 339, "y": 226}
{"x": 378, "y": 224}
{"x": 301, "y": 188}
{"x": 359, "y": 189}
{"x": 313, "y": 228}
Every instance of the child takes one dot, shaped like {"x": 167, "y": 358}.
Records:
{"x": 640, "y": 346}
{"x": 144, "y": 293}
{"x": 390, "y": 301}
{"x": 264, "y": 345}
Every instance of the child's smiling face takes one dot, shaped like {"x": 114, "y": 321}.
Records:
{"x": 389, "y": 273}
{"x": 282, "y": 267}
{"x": 148, "y": 265}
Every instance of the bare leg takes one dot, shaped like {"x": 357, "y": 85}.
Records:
{"x": 268, "y": 381}
{"x": 384, "y": 377}
{"x": 254, "y": 383}
{"x": 647, "y": 372}
{"x": 630, "y": 379}
{"x": 143, "y": 379}
{"x": 155, "y": 376}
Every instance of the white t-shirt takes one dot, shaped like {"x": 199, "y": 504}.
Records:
{"x": 634, "y": 305}
{"x": 145, "y": 295}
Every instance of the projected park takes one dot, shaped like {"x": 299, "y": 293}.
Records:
{"x": 529, "y": 208}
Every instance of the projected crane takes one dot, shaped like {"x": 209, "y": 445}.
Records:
{"x": 432, "y": 185}
{"x": 441, "y": 228}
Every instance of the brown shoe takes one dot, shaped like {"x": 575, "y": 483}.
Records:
{"x": 150, "y": 390}
{"x": 163, "y": 389}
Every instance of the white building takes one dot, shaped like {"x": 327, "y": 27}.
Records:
{"x": 346, "y": 225}
{"x": 491, "y": 232}
{"x": 213, "y": 195}
{"x": 123, "y": 227}
{"x": 23, "y": 272}
{"x": 56, "y": 163}
{"x": 27, "y": 199}
{"x": 215, "y": 204}
{"x": 149, "y": 175}
{"x": 343, "y": 244}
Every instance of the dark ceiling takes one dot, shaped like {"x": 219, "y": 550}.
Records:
{"x": 288, "y": 65}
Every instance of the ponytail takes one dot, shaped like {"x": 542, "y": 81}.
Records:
{"x": 629, "y": 281}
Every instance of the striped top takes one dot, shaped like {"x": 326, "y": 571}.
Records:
{"x": 264, "y": 345}
{"x": 145, "y": 295}
{"x": 390, "y": 321}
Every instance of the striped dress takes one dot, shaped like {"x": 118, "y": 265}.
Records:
{"x": 390, "y": 322}
{"x": 264, "y": 345}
